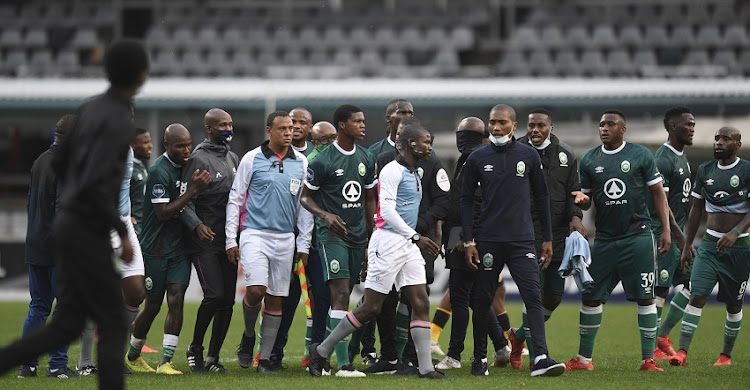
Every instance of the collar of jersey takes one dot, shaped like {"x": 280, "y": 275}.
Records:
{"x": 673, "y": 149}
{"x": 300, "y": 149}
{"x": 267, "y": 152}
{"x": 348, "y": 153}
{"x": 730, "y": 166}
{"x": 605, "y": 151}
{"x": 392, "y": 143}
{"x": 171, "y": 162}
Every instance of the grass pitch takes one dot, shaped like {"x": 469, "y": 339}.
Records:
{"x": 616, "y": 359}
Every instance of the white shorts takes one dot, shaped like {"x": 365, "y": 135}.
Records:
{"x": 393, "y": 259}
{"x": 135, "y": 267}
{"x": 266, "y": 257}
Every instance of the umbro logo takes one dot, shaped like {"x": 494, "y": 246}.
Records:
{"x": 710, "y": 182}
{"x": 599, "y": 169}
{"x": 682, "y": 171}
{"x": 218, "y": 175}
{"x": 339, "y": 172}
{"x": 488, "y": 168}
{"x": 530, "y": 256}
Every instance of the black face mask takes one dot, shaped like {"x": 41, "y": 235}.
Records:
{"x": 467, "y": 141}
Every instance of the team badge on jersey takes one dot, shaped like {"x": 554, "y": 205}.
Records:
{"x": 488, "y": 260}
{"x": 734, "y": 181}
{"x": 149, "y": 284}
{"x": 663, "y": 275}
{"x": 362, "y": 170}
{"x": 520, "y": 168}
{"x": 563, "y": 158}
{"x": 335, "y": 266}
{"x": 310, "y": 174}
{"x": 351, "y": 191}
{"x": 442, "y": 180}
{"x": 158, "y": 191}
{"x": 294, "y": 185}
{"x": 686, "y": 187}
{"x": 625, "y": 166}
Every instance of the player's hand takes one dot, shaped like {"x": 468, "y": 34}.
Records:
{"x": 132, "y": 219}
{"x": 428, "y": 246}
{"x": 546, "y": 256}
{"x": 335, "y": 223}
{"x": 679, "y": 239}
{"x": 127, "y": 250}
{"x": 576, "y": 225}
{"x": 205, "y": 233}
{"x": 686, "y": 259}
{"x": 665, "y": 241}
{"x": 201, "y": 180}
{"x": 233, "y": 254}
{"x": 726, "y": 241}
{"x": 581, "y": 199}
{"x": 363, "y": 272}
{"x": 472, "y": 257}
{"x": 302, "y": 256}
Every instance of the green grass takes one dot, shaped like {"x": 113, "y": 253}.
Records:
{"x": 616, "y": 358}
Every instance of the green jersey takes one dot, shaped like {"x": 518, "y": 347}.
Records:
{"x": 725, "y": 188}
{"x": 137, "y": 192}
{"x": 675, "y": 171}
{"x": 617, "y": 181}
{"x": 162, "y": 239}
{"x": 340, "y": 179}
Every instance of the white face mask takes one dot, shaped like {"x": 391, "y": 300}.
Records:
{"x": 543, "y": 145}
{"x": 502, "y": 140}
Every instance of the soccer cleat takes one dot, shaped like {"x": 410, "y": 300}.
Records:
{"x": 256, "y": 360}
{"x": 448, "y": 363}
{"x": 167, "y": 369}
{"x": 265, "y": 367}
{"x": 525, "y": 352}
{"x": 62, "y": 373}
{"x": 406, "y": 368}
{"x": 502, "y": 357}
{"x": 547, "y": 367}
{"x": 479, "y": 367}
{"x": 348, "y": 371}
{"x": 195, "y": 361}
{"x": 679, "y": 359}
{"x": 516, "y": 352}
{"x": 138, "y": 365}
{"x": 245, "y": 351}
{"x": 27, "y": 371}
{"x": 435, "y": 348}
{"x": 381, "y": 367}
{"x": 305, "y": 362}
{"x": 369, "y": 359}
{"x": 317, "y": 362}
{"x": 650, "y": 365}
{"x": 215, "y": 367}
{"x": 660, "y": 355}
{"x": 723, "y": 360}
{"x": 665, "y": 345}
{"x": 435, "y": 374}
{"x": 575, "y": 364}
{"x": 147, "y": 349}
{"x": 87, "y": 370}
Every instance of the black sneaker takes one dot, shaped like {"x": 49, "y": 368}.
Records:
{"x": 215, "y": 367}
{"x": 126, "y": 370}
{"x": 264, "y": 367}
{"x": 435, "y": 374}
{"x": 245, "y": 351}
{"x": 276, "y": 363}
{"x": 26, "y": 371}
{"x": 368, "y": 359}
{"x": 62, "y": 373}
{"x": 317, "y": 362}
{"x": 406, "y": 368}
{"x": 547, "y": 367}
{"x": 479, "y": 367}
{"x": 381, "y": 367}
{"x": 194, "y": 355}
{"x": 87, "y": 370}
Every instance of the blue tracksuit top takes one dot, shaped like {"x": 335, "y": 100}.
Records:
{"x": 509, "y": 177}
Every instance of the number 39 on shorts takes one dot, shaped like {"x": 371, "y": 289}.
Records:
{"x": 648, "y": 279}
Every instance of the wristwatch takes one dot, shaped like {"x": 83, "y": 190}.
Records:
{"x": 415, "y": 238}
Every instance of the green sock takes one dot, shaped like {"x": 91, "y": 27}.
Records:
{"x": 589, "y": 321}
{"x": 134, "y": 351}
{"x": 675, "y": 312}
{"x": 731, "y": 330}
{"x": 308, "y": 337}
{"x": 402, "y": 329}
{"x": 168, "y": 347}
{"x": 647, "y": 326}
{"x": 521, "y": 331}
{"x": 342, "y": 347}
{"x": 689, "y": 325}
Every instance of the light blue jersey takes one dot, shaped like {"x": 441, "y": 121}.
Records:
{"x": 399, "y": 193}
{"x": 123, "y": 200}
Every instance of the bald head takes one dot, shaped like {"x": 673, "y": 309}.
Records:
{"x": 174, "y": 131}
{"x": 302, "y": 112}
{"x": 301, "y": 126}
{"x": 505, "y": 108}
{"x": 471, "y": 123}
{"x": 215, "y": 115}
{"x": 63, "y": 126}
{"x": 731, "y": 131}
{"x": 178, "y": 143}
{"x": 218, "y": 126}
{"x": 322, "y": 132}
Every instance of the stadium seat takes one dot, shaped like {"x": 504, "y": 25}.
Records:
{"x": 411, "y": 38}
{"x": 35, "y": 38}
{"x": 235, "y": 38}
{"x": 335, "y": 38}
{"x": 319, "y": 57}
{"x": 14, "y": 63}
{"x": 727, "y": 59}
{"x": 308, "y": 37}
{"x": 447, "y": 62}
{"x": 577, "y": 37}
{"x": 551, "y": 37}
{"x": 260, "y": 38}
{"x": 241, "y": 63}
{"x": 567, "y": 64}
{"x": 603, "y": 37}
{"x": 593, "y": 64}
{"x": 724, "y": 14}
{"x": 11, "y": 38}
{"x": 708, "y": 37}
{"x": 165, "y": 63}
{"x": 385, "y": 37}
{"x": 370, "y": 63}
{"x": 436, "y": 38}
{"x": 696, "y": 58}
{"x": 525, "y": 37}
{"x": 462, "y": 38}
{"x": 344, "y": 57}
{"x": 267, "y": 58}
{"x": 655, "y": 37}
{"x": 41, "y": 63}
{"x": 620, "y": 64}
{"x": 395, "y": 58}
{"x": 682, "y": 36}
{"x": 697, "y": 12}
{"x": 541, "y": 63}
{"x": 52, "y": 14}
{"x": 513, "y": 63}
{"x": 671, "y": 15}
{"x": 68, "y": 62}
{"x": 735, "y": 37}
{"x": 361, "y": 37}
{"x": 217, "y": 63}
{"x": 183, "y": 37}
{"x": 744, "y": 61}
{"x": 84, "y": 38}
{"x": 207, "y": 38}
{"x": 630, "y": 36}
{"x": 293, "y": 57}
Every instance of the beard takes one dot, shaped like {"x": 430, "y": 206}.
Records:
{"x": 723, "y": 154}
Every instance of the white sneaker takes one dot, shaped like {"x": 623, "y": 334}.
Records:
{"x": 502, "y": 357}
{"x": 348, "y": 371}
{"x": 435, "y": 348}
{"x": 525, "y": 352}
{"x": 447, "y": 363}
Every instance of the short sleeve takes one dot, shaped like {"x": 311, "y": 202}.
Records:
{"x": 666, "y": 168}
{"x": 698, "y": 186}
{"x": 370, "y": 179}
{"x": 651, "y": 175}
{"x": 157, "y": 186}
{"x": 584, "y": 174}
{"x": 315, "y": 173}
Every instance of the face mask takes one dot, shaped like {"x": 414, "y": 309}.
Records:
{"x": 543, "y": 145}
{"x": 223, "y": 137}
{"x": 320, "y": 147}
{"x": 502, "y": 140}
{"x": 467, "y": 141}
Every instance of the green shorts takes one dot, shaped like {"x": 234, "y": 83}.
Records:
{"x": 669, "y": 267}
{"x": 628, "y": 259}
{"x": 551, "y": 281}
{"x": 162, "y": 271}
{"x": 341, "y": 261}
{"x": 730, "y": 269}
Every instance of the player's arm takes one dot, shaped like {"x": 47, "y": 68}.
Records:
{"x": 188, "y": 216}
{"x": 236, "y": 199}
{"x": 541, "y": 206}
{"x": 583, "y": 198}
{"x": 573, "y": 186}
{"x": 305, "y": 222}
{"x": 469, "y": 185}
{"x": 727, "y": 240}
{"x": 371, "y": 197}
{"x": 691, "y": 228}
{"x": 662, "y": 211}
{"x": 166, "y": 211}
{"x": 315, "y": 176}
{"x": 436, "y": 187}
